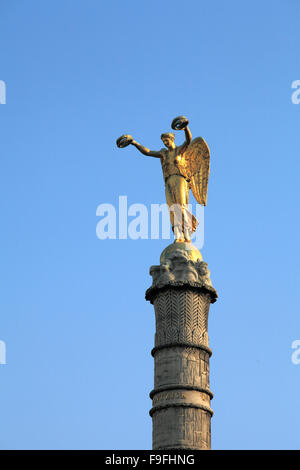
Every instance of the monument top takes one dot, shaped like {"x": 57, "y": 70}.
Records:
{"x": 187, "y": 248}
{"x": 185, "y": 167}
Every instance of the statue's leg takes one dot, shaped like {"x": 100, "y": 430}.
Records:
{"x": 181, "y": 196}
{"x": 176, "y": 193}
{"x": 187, "y": 216}
{"x": 174, "y": 207}
{"x": 169, "y": 202}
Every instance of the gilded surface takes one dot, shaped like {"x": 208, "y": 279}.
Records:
{"x": 184, "y": 167}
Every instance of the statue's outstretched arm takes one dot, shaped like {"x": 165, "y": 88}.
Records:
{"x": 188, "y": 138}
{"x": 188, "y": 135}
{"x": 178, "y": 124}
{"x": 145, "y": 151}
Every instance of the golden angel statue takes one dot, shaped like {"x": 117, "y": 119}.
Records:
{"x": 184, "y": 167}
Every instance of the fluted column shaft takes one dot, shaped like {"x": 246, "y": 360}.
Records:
{"x": 181, "y": 411}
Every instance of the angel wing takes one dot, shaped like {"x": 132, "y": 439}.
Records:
{"x": 197, "y": 161}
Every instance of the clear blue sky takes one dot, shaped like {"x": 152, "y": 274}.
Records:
{"x": 77, "y": 329}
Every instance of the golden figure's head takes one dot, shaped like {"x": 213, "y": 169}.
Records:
{"x": 168, "y": 139}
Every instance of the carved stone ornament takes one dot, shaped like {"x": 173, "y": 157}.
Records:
{"x": 181, "y": 265}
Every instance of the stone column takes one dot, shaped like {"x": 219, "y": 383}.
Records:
{"x": 181, "y": 293}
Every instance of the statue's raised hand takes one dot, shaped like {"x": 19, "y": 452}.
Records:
{"x": 124, "y": 140}
{"x": 179, "y": 123}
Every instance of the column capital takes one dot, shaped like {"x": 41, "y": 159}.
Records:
{"x": 181, "y": 266}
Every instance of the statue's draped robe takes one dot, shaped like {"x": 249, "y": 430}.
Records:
{"x": 177, "y": 190}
